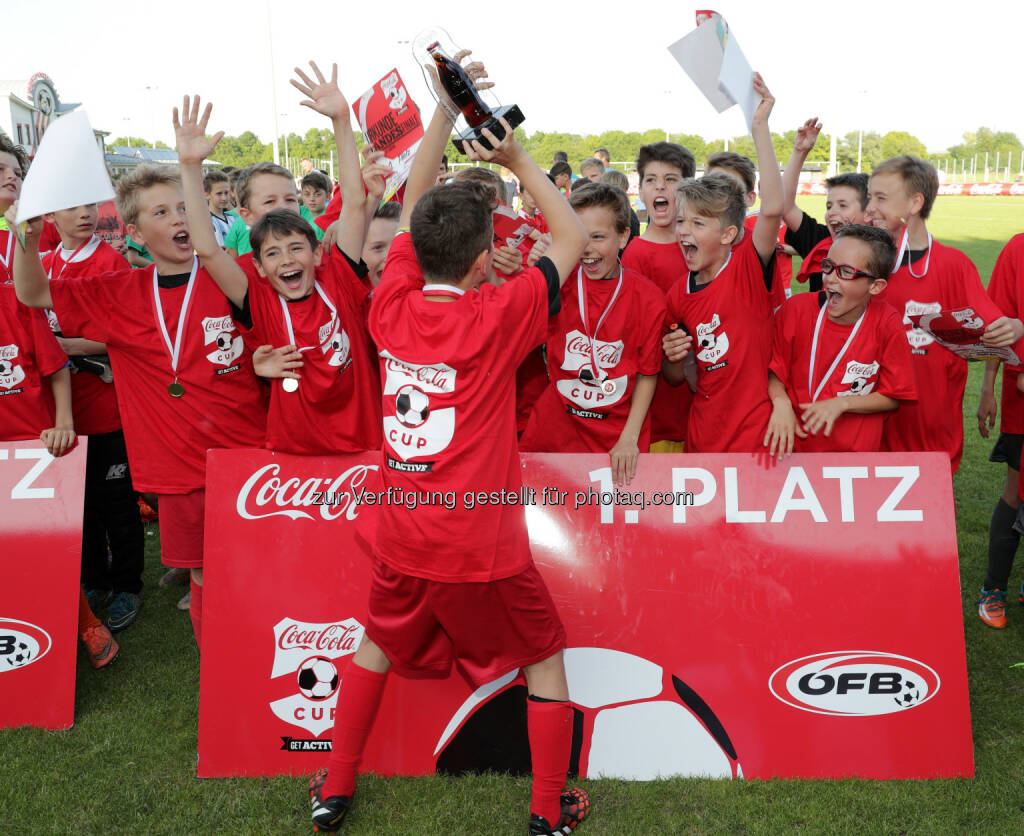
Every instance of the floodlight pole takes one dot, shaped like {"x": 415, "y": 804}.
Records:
{"x": 273, "y": 86}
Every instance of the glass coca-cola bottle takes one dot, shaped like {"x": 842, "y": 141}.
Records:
{"x": 459, "y": 87}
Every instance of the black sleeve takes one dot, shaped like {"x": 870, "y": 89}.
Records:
{"x": 807, "y": 236}
{"x": 358, "y": 267}
{"x": 547, "y": 267}
{"x": 242, "y": 315}
{"x": 769, "y": 270}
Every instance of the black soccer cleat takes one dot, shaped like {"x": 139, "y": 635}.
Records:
{"x": 575, "y": 808}
{"x": 328, "y": 813}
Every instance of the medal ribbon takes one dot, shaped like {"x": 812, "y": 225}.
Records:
{"x": 814, "y": 352}
{"x": 10, "y": 248}
{"x": 582, "y": 300}
{"x": 174, "y": 351}
{"x": 904, "y": 248}
{"x": 65, "y": 262}
{"x": 288, "y": 316}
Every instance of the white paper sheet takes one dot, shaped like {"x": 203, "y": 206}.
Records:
{"x": 736, "y": 79}
{"x": 700, "y": 54}
{"x": 68, "y": 170}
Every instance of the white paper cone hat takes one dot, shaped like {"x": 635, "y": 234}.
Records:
{"x": 68, "y": 170}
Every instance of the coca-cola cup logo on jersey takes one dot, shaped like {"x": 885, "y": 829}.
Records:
{"x": 305, "y": 655}
{"x": 219, "y": 331}
{"x": 268, "y": 493}
{"x": 577, "y": 352}
{"x": 416, "y": 428}
{"x": 918, "y": 337}
{"x": 336, "y": 344}
{"x": 11, "y": 374}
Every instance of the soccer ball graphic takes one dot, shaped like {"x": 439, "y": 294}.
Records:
{"x": 21, "y": 655}
{"x": 224, "y": 341}
{"x": 6, "y": 367}
{"x": 910, "y": 695}
{"x": 412, "y": 406}
{"x": 318, "y": 678}
{"x": 633, "y": 720}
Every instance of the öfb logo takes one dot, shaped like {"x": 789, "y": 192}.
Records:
{"x": 854, "y": 683}
{"x": 21, "y": 644}
{"x": 305, "y": 653}
{"x": 633, "y": 720}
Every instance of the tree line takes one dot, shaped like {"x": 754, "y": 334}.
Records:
{"x": 318, "y": 144}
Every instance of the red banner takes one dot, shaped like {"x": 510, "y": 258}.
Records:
{"x": 1011, "y": 189}
{"x": 725, "y": 617}
{"x": 41, "y": 530}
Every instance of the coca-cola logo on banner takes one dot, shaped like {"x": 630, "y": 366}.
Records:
{"x": 305, "y": 653}
{"x": 854, "y": 683}
{"x": 21, "y": 644}
{"x": 268, "y": 493}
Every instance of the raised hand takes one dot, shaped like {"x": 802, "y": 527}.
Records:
{"x": 324, "y": 96}
{"x": 764, "y": 109}
{"x": 192, "y": 144}
{"x": 375, "y": 173}
{"x": 807, "y": 135}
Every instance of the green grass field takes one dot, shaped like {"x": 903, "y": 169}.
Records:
{"x": 128, "y": 765}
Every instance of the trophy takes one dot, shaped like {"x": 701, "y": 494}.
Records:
{"x": 434, "y": 47}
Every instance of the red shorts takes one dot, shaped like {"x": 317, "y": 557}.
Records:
{"x": 181, "y": 529}
{"x": 487, "y": 629}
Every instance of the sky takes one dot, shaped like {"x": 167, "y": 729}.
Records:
{"x": 577, "y": 68}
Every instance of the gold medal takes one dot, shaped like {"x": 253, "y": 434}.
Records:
{"x": 175, "y": 389}
{"x": 290, "y": 384}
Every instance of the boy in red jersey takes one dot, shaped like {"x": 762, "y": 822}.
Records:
{"x": 36, "y": 403}
{"x": 1006, "y": 289}
{"x": 446, "y": 583}
{"x": 603, "y": 348}
{"x": 656, "y": 255}
{"x": 929, "y": 277}
{"x": 742, "y": 169}
{"x": 724, "y": 302}
{"x": 185, "y": 379}
{"x": 111, "y": 513}
{"x": 839, "y": 356}
{"x": 314, "y": 310}
{"x": 845, "y": 204}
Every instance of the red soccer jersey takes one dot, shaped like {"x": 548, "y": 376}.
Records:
{"x": 7, "y": 245}
{"x": 877, "y": 359}
{"x": 1006, "y": 289}
{"x": 336, "y": 407}
{"x": 449, "y": 419}
{"x": 783, "y": 263}
{"x": 730, "y": 319}
{"x": 223, "y": 404}
{"x": 812, "y": 263}
{"x": 574, "y": 416}
{"x": 93, "y": 402}
{"x": 664, "y": 265}
{"x": 935, "y": 422}
{"x": 28, "y": 353}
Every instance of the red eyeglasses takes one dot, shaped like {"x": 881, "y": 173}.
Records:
{"x": 844, "y": 271}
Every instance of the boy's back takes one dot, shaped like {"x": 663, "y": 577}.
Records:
{"x": 449, "y": 416}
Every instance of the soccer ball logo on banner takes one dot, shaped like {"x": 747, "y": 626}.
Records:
{"x": 305, "y": 660}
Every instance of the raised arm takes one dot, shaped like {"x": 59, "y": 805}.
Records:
{"x": 766, "y": 230}
{"x": 568, "y": 238}
{"x": 423, "y": 175}
{"x": 325, "y": 97}
{"x": 193, "y": 148}
{"x": 806, "y": 136}
{"x": 30, "y": 282}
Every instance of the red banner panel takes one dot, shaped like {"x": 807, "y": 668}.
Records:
{"x": 41, "y": 531}
{"x": 726, "y": 617}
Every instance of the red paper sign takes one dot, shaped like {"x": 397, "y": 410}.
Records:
{"x": 41, "y": 530}
{"x": 109, "y": 226}
{"x": 390, "y": 122}
{"x": 959, "y": 332}
{"x": 724, "y": 618}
